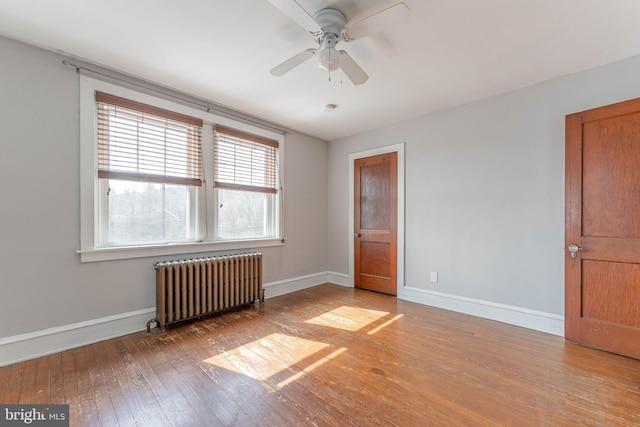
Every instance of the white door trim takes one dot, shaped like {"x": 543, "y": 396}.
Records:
{"x": 399, "y": 149}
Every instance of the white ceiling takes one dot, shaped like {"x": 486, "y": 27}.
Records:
{"x": 447, "y": 53}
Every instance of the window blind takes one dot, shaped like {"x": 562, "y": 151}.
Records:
{"x": 243, "y": 161}
{"x": 139, "y": 142}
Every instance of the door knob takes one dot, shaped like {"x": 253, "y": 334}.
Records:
{"x": 358, "y": 235}
{"x": 573, "y": 248}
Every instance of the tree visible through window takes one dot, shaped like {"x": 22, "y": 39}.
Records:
{"x": 147, "y": 212}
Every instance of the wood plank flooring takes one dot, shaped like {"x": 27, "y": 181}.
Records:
{"x": 334, "y": 356}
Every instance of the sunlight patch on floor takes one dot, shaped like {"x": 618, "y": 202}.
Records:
{"x": 269, "y": 356}
{"x": 311, "y": 367}
{"x": 348, "y": 318}
{"x": 384, "y": 325}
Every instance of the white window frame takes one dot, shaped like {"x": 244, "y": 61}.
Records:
{"x": 90, "y": 186}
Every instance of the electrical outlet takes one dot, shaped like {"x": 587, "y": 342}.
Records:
{"x": 434, "y": 277}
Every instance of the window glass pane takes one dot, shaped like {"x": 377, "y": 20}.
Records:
{"x": 141, "y": 212}
{"x": 243, "y": 214}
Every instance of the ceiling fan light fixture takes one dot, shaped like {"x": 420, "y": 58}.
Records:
{"x": 329, "y": 59}
{"x": 328, "y": 56}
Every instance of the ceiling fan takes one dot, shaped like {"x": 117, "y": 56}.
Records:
{"x": 329, "y": 27}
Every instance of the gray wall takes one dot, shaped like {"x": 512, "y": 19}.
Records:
{"x": 484, "y": 197}
{"x": 42, "y": 282}
{"x": 485, "y": 189}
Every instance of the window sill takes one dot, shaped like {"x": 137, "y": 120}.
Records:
{"x": 126, "y": 252}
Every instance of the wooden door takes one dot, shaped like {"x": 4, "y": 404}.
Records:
{"x": 602, "y": 274}
{"x": 375, "y": 223}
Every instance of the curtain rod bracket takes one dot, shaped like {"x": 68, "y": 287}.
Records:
{"x": 70, "y": 64}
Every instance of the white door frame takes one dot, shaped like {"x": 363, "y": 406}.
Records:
{"x": 399, "y": 149}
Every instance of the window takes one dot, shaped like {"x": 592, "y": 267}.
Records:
{"x": 245, "y": 177}
{"x": 161, "y": 178}
{"x": 149, "y": 165}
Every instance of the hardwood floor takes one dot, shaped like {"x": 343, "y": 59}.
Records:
{"x": 334, "y": 356}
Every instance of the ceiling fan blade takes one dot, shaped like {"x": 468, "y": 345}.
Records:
{"x": 352, "y": 69}
{"x": 293, "y": 10}
{"x": 292, "y": 62}
{"x": 377, "y": 22}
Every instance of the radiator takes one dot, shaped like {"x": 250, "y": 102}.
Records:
{"x": 195, "y": 288}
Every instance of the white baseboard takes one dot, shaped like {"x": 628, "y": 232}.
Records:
{"x": 339, "y": 279}
{"x": 281, "y": 287}
{"x": 532, "y": 319}
{"x": 48, "y": 341}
